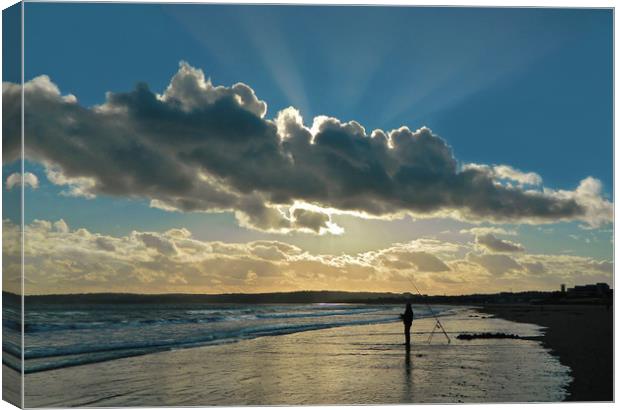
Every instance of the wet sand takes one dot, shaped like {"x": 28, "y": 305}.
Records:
{"x": 364, "y": 364}
{"x": 11, "y": 386}
{"x": 580, "y": 335}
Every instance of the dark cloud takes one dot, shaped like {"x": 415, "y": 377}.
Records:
{"x": 311, "y": 220}
{"x": 603, "y": 266}
{"x": 198, "y": 147}
{"x": 494, "y": 244}
{"x": 104, "y": 244}
{"x": 534, "y": 267}
{"x": 496, "y": 264}
{"x": 157, "y": 242}
{"x": 423, "y": 261}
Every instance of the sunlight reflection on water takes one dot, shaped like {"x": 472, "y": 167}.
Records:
{"x": 346, "y": 365}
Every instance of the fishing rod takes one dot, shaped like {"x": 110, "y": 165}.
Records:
{"x": 437, "y": 321}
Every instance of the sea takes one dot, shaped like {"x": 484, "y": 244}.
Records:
{"x": 229, "y": 354}
{"x": 58, "y": 335}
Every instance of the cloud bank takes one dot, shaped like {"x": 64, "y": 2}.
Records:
{"x": 200, "y": 147}
{"x": 60, "y": 259}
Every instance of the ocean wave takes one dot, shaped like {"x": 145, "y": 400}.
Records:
{"x": 76, "y": 355}
{"x": 57, "y": 340}
{"x": 316, "y": 314}
{"x": 62, "y": 326}
{"x": 195, "y": 317}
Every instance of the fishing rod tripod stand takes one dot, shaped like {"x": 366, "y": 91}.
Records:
{"x": 438, "y": 324}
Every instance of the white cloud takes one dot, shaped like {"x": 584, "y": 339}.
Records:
{"x": 60, "y": 260}
{"x": 61, "y": 226}
{"x": 483, "y": 230}
{"x": 15, "y": 179}
{"x": 589, "y": 195}
{"x": 522, "y": 178}
{"x": 506, "y": 173}
{"x": 77, "y": 186}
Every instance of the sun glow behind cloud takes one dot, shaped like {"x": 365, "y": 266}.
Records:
{"x": 207, "y": 148}
{"x": 64, "y": 260}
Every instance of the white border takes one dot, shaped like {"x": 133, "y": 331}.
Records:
{"x": 442, "y": 3}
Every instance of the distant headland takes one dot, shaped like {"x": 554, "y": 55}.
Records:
{"x": 325, "y": 296}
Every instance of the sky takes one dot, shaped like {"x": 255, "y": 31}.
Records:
{"x": 213, "y": 148}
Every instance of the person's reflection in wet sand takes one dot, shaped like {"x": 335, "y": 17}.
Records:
{"x": 408, "y": 381}
{"x": 408, "y": 362}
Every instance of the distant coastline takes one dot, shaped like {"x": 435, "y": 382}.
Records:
{"x": 528, "y": 297}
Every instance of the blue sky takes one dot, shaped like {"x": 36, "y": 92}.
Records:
{"x": 500, "y": 85}
{"x": 530, "y": 88}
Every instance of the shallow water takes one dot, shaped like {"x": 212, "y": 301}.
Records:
{"x": 58, "y": 336}
{"x": 361, "y": 364}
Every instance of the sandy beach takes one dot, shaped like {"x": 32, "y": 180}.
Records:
{"x": 581, "y": 336}
{"x": 364, "y": 364}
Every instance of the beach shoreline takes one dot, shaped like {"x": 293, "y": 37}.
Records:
{"x": 581, "y": 336}
{"x": 362, "y": 364}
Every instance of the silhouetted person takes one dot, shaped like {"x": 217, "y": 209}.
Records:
{"x": 407, "y": 321}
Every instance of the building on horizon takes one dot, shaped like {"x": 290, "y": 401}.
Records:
{"x": 600, "y": 289}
